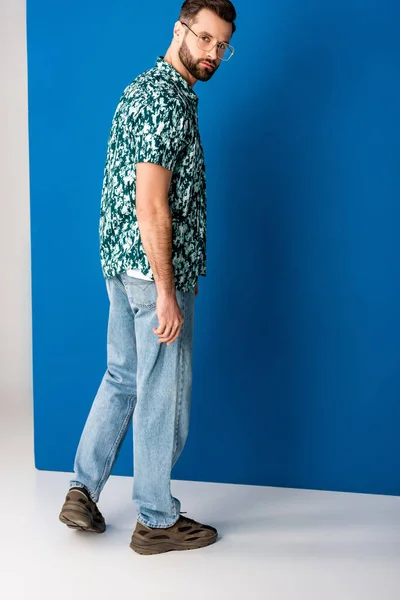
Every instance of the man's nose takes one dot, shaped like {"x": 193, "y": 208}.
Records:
{"x": 213, "y": 53}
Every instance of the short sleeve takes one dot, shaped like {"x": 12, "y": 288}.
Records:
{"x": 158, "y": 133}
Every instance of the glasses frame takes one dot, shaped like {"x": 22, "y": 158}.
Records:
{"x": 231, "y": 48}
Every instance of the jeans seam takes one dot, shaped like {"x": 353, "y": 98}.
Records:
{"x": 119, "y": 282}
{"x": 109, "y": 458}
{"x": 180, "y": 386}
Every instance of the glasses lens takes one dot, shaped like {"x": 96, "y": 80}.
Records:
{"x": 224, "y": 52}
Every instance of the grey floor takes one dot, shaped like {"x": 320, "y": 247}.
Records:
{"x": 275, "y": 544}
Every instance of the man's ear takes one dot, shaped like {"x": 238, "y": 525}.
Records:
{"x": 178, "y": 31}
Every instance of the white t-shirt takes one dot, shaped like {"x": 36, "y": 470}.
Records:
{"x": 138, "y": 274}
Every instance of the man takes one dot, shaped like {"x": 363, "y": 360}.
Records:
{"x": 153, "y": 248}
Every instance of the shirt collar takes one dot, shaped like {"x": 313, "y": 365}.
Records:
{"x": 169, "y": 71}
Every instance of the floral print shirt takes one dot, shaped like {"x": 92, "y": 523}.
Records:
{"x": 156, "y": 121}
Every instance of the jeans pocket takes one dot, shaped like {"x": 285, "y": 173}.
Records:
{"x": 141, "y": 293}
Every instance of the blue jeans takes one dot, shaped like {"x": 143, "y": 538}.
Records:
{"x": 152, "y": 383}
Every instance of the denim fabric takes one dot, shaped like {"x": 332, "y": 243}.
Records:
{"x": 150, "y": 382}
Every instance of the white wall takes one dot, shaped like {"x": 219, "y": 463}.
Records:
{"x": 15, "y": 271}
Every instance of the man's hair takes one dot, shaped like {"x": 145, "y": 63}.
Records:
{"x": 223, "y": 8}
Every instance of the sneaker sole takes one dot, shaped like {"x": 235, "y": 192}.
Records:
{"x": 159, "y": 547}
{"x": 74, "y": 520}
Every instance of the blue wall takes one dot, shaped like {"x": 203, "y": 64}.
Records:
{"x": 297, "y": 352}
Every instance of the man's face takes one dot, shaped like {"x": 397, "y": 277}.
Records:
{"x": 210, "y": 27}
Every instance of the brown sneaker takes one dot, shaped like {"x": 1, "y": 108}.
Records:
{"x": 186, "y": 534}
{"x": 80, "y": 512}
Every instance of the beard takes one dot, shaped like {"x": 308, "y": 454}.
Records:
{"x": 194, "y": 67}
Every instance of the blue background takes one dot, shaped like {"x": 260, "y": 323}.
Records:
{"x": 297, "y": 349}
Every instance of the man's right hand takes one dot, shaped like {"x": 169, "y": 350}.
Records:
{"x": 170, "y": 318}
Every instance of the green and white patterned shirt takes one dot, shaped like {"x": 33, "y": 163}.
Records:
{"x": 156, "y": 121}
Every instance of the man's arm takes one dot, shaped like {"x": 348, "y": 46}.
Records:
{"x": 155, "y": 222}
{"x": 155, "y": 226}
